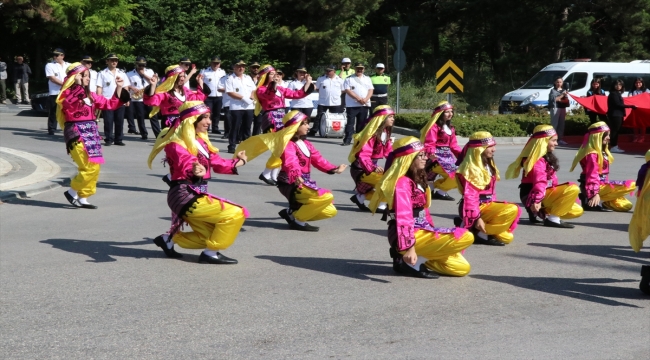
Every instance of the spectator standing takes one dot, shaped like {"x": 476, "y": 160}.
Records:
{"x": 380, "y": 82}
{"x": 638, "y": 89}
{"x": 106, "y": 86}
{"x": 595, "y": 89}
{"x": 3, "y": 82}
{"x": 21, "y": 79}
{"x": 330, "y": 91}
{"x": 616, "y": 113}
{"x": 55, "y": 72}
{"x": 279, "y": 80}
{"x": 304, "y": 105}
{"x": 254, "y": 70}
{"x": 358, "y": 91}
{"x": 241, "y": 88}
{"x": 343, "y": 73}
{"x": 139, "y": 79}
{"x": 211, "y": 77}
{"x": 227, "y": 119}
{"x": 558, "y": 101}
{"x": 185, "y": 63}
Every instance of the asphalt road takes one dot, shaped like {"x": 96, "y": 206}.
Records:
{"x": 90, "y": 283}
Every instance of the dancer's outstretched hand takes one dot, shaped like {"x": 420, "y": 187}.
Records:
{"x": 340, "y": 169}
{"x": 242, "y": 156}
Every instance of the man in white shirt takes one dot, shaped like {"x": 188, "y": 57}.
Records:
{"x": 139, "y": 79}
{"x": 241, "y": 88}
{"x": 358, "y": 90}
{"x": 304, "y": 105}
{"x": 186, "y": 63}
{"x": 211, "y": 77}
{"x": 221, "y": 87}
{"x": 87, "y": 60}
{"x": 55, "y": 73}
{"x": 106, "y": 87}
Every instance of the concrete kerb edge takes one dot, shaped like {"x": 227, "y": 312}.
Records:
{"x": 68, "y": 171}
{"x": 464, "y": 140}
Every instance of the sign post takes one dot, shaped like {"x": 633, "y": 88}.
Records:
{"x": 449, "y": 79}
{"x": 399, "y": 58}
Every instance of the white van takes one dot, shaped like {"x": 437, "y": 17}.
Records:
{"x": 577, "y": 76}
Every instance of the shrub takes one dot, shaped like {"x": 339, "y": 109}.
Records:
{"x": 497, "y": 125}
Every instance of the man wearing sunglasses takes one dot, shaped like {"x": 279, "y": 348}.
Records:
{"x": 55, "y": 73}
{"x": 139, "y": 79}
{"x": 106, "y": 87}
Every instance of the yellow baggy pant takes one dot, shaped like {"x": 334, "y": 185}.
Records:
{"x": 443, "y": 252}
{"x": 561, "y": 201}
{"x": 373, "y": 180}
{"x": 444, "y": 182}
{"x": 85, "y": 183}
{"x": 613, "y": 196}
{"x": 314, "y": 207}
{"x": 215, "y": 225}
{"x": 498, "y": 218}
{"x": 274, "y": 162}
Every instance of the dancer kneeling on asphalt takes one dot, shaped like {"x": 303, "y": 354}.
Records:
{"x": 594, "y": 158}
{"x": 639, "y": 228}
{"x": 75, "y": 114}
{"x": 441, "y": 146}
{"x": 215, "y": 221}
{"x": 417, "y": 247}
{"x": 307, "y": 202}
{"x": 369, "y": 146}
{"x": 539, "y": 191}
{"x": 491, "y": 221}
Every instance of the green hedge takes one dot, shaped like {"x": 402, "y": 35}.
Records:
{"x": 497, "y": 125}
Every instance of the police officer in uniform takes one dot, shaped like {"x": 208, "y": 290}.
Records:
{"x": 106, "y": 87}
{"x": 87, "y": 60}
{"x": 380, "y": 82}
{"x": 330, "y": 92}
{"x": 240, "y": 87}
{"x": 211, "y": 77}
{"x": 55, "y": 72}
{"x": 221, "y": 87}
{"x": 358, "y": 91}
{"x": 139, "y": 78}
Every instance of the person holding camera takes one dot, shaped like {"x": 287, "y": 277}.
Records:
{"x": 558, "y": 101}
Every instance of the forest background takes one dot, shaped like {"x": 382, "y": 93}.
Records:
{"x": 501, "y": 44}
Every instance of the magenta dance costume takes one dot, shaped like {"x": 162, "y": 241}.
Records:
{"x": 76, "y": 116}
{"x": 439, "y": 139}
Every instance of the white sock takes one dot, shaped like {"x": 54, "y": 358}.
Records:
{"x": 482, "y": 235}
{"x": 553, "y": 218}
{"x": 361, "y": 197}
{"x": 73, "y": 193}
{"x": 290, "y": 213}
{"x": 275, "y": 172}
{"x": 267, "y": 173}
{"x": 211, "y": 253}
{"x": 381, "y": 206}
{"x": 168, "y": 241}
{"x": 301, "y": 223}
{"x": 83, "y": 201}
{"x": 169, "y": 177}
{"x": 440, "y": 192}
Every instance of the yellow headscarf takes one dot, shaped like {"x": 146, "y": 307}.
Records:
{"x": 185, "y": 133}
{"x": 472, "y": 167}
{"x": 376, "y": 120}
{"x": 71, "y": 71}
{"x": 263, "y": 72}
{"x": 274, "y": 141}
{"x": 171, "y": 74}
{"x": 397, "y": 164}
{"x": 592, "y": 142}
{"x": 442, "y": 106}
{"x": 535, "y": 149}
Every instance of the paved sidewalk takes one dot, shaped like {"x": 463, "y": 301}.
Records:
{"x": 24, "y": 174}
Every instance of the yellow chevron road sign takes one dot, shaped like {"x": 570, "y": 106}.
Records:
{"x": 449, "y": 78}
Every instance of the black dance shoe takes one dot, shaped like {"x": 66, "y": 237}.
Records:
{"x": 106, "y": 143}
{"x": 359, "y": 204}
{"x": 561, "y": 225}
{"x": 71, "y": 200}
{"x": 171, "y": 253}
{"x": 490, "y": 241}
{"x": 423, "y": 273}
{"x": 284, "y": 213}
{"x": 644, "y": 285}
{"x": 534, "y": 219}
{"x": 87, "y": 206}
{"x": 219, "y": 260}
{"x": 166, "y": 180}
{"x": 437, "y": 196}
{"x": 457, "y": 221}
{"x": 306, "y": 227}
{"x": 599, "y": 208}
{"x": 267, "y": 181}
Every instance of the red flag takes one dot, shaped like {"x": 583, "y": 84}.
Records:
{"x": 635, "y": 118}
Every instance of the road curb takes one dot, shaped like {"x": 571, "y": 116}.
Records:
{"x": 62, "y": 178}
{"x": 464, "y": 140}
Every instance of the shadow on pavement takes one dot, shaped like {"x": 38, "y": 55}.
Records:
{"x": 46, "y": 204}
{"x": 590, "y": 290}
{"x": 36, "y": 134}
{"x": 381, "y": 232}
{"x": 608, "y": 226}
{"x": 103, "y": 251}
{"x": 231, "y": 180}
{"x": 355, "y": 269}
{"x": 624, "y": 253}
{"x": 265, "y": 224}
{"x": 113, "y": 186}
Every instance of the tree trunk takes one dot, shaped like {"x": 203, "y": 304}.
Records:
{"x": 303, "y": 55}
{"x": 560, "y": 44}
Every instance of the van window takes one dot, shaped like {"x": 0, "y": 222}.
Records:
{"x": 608, "y": 78}
{"x": 576, "y": 81}
{"x": 543, "y": 80}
